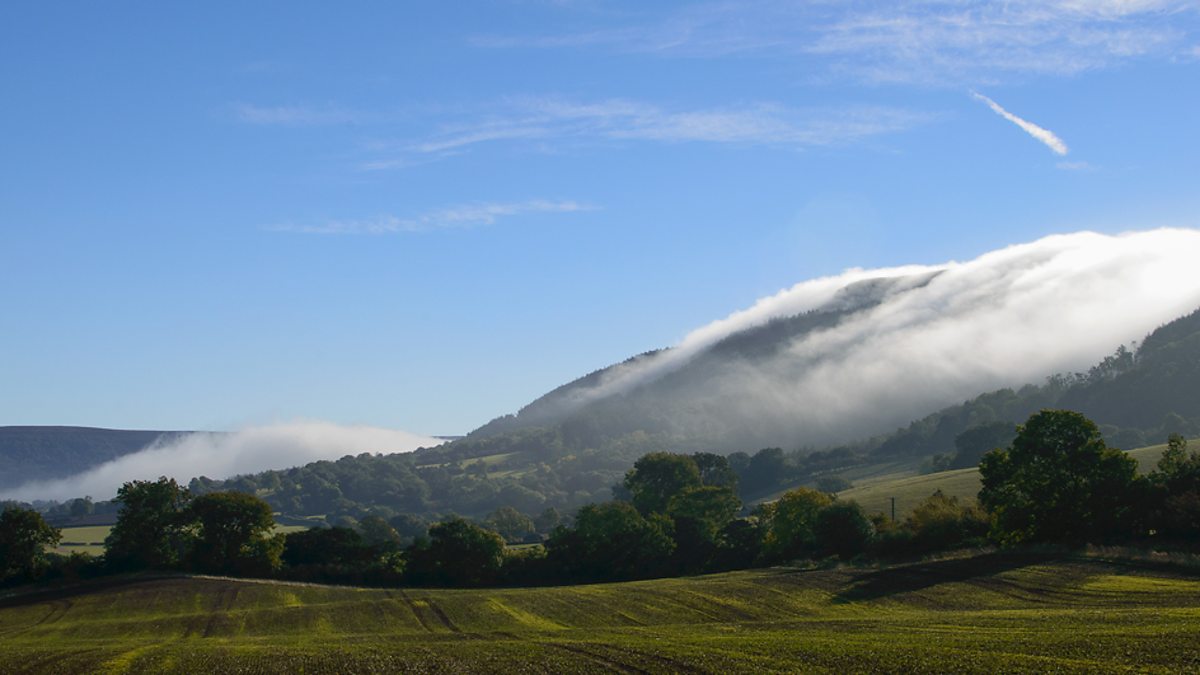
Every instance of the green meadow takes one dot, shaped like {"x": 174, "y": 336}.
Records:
{"x": 875, "y": 494}
{"x": 989, "y": 613}
{"x": 90, "y": 539}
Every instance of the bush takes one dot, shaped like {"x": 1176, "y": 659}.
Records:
{"x": 842, "y": 529}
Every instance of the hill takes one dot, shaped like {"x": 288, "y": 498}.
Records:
{"x": 30, "y": 453}
{"x": 991, "y": 613}
{"x": 875, "y": 494}
{"x": 535, "y": 468}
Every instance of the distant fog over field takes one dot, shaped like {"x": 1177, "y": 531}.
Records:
{"x": 223, "y": 455}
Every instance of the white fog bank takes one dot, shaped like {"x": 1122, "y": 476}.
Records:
{"x": 223, "y": 455}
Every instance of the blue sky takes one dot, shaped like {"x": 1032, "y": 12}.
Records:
{"x": 423, "y": 215}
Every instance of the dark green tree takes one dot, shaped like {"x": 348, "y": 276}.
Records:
{"x": 233, "y": 534}
{"x": 378, "y": 533}
{"x": 715, "y": 470}
{"x": 711, "y": 507}
{"x": 510, "y": 523}
{"x": 1059, "y": 482}
{"x": 150, "y": 531}
{"x": 790, "y": 523}
{"x": 842, "y": 529}
{"x": 699, "y": 515}
{"x": 657, "y": 477}
{"x": 764, "y": 472}
{"x": 457, "y": 553}
{"x": 611, "y": 541}
{"x": 24, "y": 536}
{"x": 971, "y": 445}
{"x": 325, "y": 546}
{"x": 1176, "y": 491}
{"x": 940, "y": 522}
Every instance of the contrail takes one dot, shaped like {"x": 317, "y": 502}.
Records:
{"x": 1044, "y": 135}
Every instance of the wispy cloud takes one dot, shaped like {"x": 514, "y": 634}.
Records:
{"x": 461, "y": 216}
{"x": 295, "y": 115}
{"x": 1041, "y": 134}
{"x": 927, "y": 41}
{"x": 551, "y": 120}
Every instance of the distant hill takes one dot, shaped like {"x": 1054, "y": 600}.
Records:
{"x": 45, "y": 453}
{"x": 687, "y": 397}
{"x": 1137, "y": 396}
{"x": 566, "y": 464}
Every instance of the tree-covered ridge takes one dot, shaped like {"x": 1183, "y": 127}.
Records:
{"x": 683, "y": 403}
{"x": 563, "y": 467}
{"x": 43, "y": 453}
{"x": 1135, "y": 396}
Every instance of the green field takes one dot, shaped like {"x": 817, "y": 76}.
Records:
{"x": 90, "y": 539}
{"x": 875, "y": 494}
{"x": 993, "y": 613}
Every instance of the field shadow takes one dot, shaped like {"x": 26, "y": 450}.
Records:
{"x": 915, "y": 577}
{"x": 32, "y": 596}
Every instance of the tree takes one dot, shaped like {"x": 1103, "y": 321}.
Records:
{"x": 24, "y": 536}
{"x": 833, "y": 484}
{"x": 657, "y": 477}
{"x": 150, "y": 528}
{"x": 409, "y": 527}
{"x": 325, "y": 546}
{"x": 711, "y": 507}
{"x": 1176, "y": 486}
{"x": 547, "y": 520}
{"x": 510, "y": 523}
{"x": 764, "y": 471}
{"x": 457, "y": 553}
{"x": 940, "y": 522}
{"x": 233, "y": 534}
{"x": 971, "y": 445}
{"x": 1059, "y": 482}
{"x": 378, "y": 533}
{"x": 842, "y": 529}
{"x": 791, "y": 522}
{"x": 699, "y": 515}
{"x": 611, "y": 541}
{"x": 715, "y": 470}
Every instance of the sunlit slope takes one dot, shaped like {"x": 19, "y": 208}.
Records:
{"x": 984, "y": 614}
{"x": 875, "y": 496}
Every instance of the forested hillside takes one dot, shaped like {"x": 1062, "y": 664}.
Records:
{"x": 535, "y": 468}
{"x": 1137, "y": 396}
{"x": 43, "y": 453}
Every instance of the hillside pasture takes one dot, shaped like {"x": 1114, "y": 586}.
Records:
{"x": 994, "y": 613}
{"x": 90, "y": 539}
{"x": 875, "y": 495}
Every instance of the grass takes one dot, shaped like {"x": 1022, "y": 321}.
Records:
{"x": 992, "y": 613}
{"x": 90, "y": 539}
{"x": 909, "y": 490}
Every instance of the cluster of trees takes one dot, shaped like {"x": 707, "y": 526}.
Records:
{"x": 1056, "y": 482}
{"x": 1059, "y": 482}
{"x": 24, "y": 537}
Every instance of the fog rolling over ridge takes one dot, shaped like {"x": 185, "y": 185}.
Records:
{"x": 223, "y": 455}
{"x": 840, "y": 358}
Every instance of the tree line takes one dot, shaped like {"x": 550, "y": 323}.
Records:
{"x": 1057, "y": 482}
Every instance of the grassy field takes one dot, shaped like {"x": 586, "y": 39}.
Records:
{"x": 90, "y": 539}
{"x": 909, "y": 490}
{"x": 992, "y": 613}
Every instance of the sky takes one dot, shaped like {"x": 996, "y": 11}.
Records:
{"x": 424, "y": 215}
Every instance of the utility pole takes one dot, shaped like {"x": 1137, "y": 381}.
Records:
{"x": 893, "y": 509}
